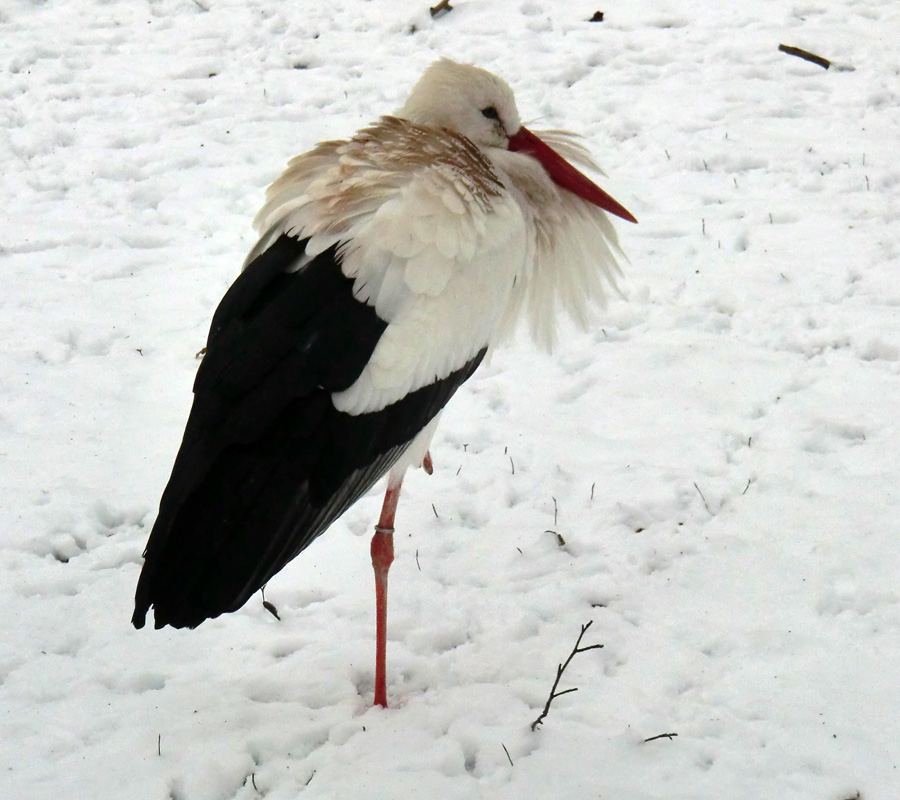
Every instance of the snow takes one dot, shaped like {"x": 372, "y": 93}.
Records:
{"x": 719, "y": 454}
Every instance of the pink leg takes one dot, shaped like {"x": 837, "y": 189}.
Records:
{"x": 382, "y": 556}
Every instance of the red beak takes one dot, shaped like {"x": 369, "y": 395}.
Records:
{"x": 563, "y": 174}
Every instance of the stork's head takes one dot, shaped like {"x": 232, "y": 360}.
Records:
{"x": 479, "y": 105}
{"x": 466, "y": 99}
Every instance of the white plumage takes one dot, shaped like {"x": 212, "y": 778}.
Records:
{"x": 408, "y": 251}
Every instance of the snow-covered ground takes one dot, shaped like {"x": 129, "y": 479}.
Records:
{"x": 720, "y": 455}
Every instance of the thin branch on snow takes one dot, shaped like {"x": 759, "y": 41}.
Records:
{"x": 805, "y": 55}
{"x": 705, "y": 504}
{"x": 270, "y": 607}
{"x": 444, "y": 5}
{"x": 668, "y": 736}
{"x": 560, "y": 669}
{"x": 559, "y": 539}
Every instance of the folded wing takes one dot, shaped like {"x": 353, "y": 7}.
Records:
{"x": 268, "y": 461}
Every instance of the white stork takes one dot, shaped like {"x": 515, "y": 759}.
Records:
{"x": 388, "y": 264}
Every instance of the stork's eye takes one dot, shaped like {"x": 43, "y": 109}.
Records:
{"x": 490, "y": 112}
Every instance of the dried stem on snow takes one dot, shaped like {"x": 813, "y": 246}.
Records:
{"x": 560, "y": 669}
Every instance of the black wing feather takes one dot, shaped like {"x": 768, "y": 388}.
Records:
{"x": 267, "y": 461}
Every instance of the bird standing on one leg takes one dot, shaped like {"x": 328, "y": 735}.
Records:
{"x": 388, "y": 264}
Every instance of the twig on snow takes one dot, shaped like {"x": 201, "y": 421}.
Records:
{"x": 668, "y": 736}
{"x": 270, "y": 607}
{"x": 507, "y": 754}
{"x": 560, "y": 669}
{"x": 559, "y": 539}
{"x": 805, "y": 55}
{"x": 706, "y": 505}
{"x": 443, "y": 6}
